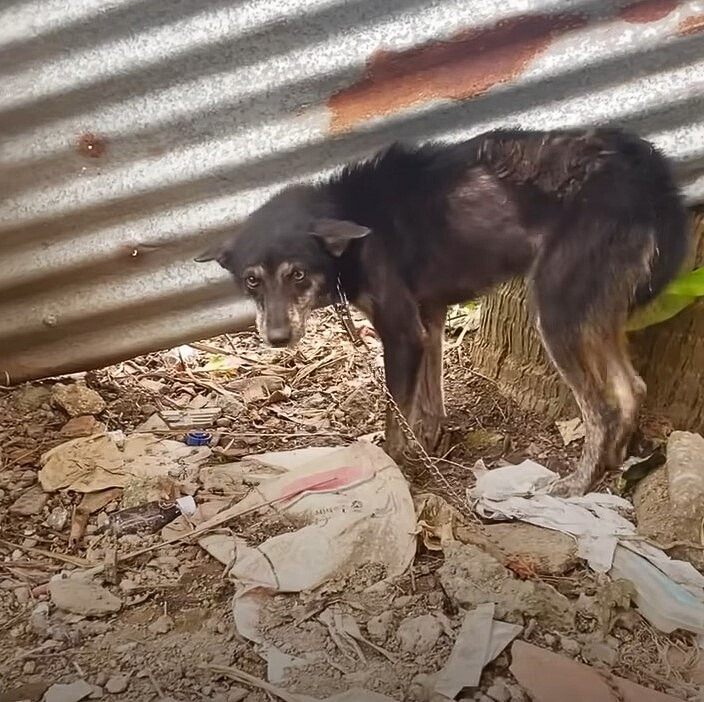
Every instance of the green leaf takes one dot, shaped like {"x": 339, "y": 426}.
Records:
{"x": 691, "y": 283}
{"x": 663, "y": 307}
{"x": 678, "y": 295}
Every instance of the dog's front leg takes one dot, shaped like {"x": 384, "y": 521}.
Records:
{"x": 429, "y": 402}
{"x": 402, "y": 336}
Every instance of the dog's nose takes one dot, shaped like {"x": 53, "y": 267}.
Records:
{"x": 279, "y": 336}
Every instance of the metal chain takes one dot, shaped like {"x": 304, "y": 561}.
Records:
{"x": 343, "y": 310}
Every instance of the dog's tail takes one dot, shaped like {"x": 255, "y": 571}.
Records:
{"x": 671, "y": 228}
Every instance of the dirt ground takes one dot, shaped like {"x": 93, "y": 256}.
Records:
{"x": 174, "y": 636}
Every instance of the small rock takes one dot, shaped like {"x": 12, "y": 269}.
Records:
{"x": 101, "y": 678}
{"x": 550, "y": 640}
{"x": 30, "y": 502}
{"x": 153, "y": 423}
{"x": 378, "y": 627}
{"x": 236, "y": 694}
{"x": 29, "y": 668}
{"x": 39, "y": 620}
{"x": 162, "y": 625}
{"x": 22, "y": 595}
{"x": 82, "y": 597}
{"x": 57, "y": 518}
{"x": 27, "y": 478}
{"x": 128, "y": 585}
{"x": 77, "y": 399}
{"x": 97, "y": 693}
{"x": 419, "y": 634}
{"x": 90, "y": 628}
{"x": 517, "y": 694}
{"x": 499, "y": 692}
{"x": 73, "y": 692}
{"x": 31, "y": 397}
{"x": 85, "y": 425}
{"x": 402, "y": 601}
{"x": 601, "y": 652}
{"x": 570, "y": 646}
{"x": 117, "y": 684}
{"x": 155, "y": 386}
{"x": 434, "y": 598}
{"x": 222, "y": 627}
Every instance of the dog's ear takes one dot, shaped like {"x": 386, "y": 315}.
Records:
{"x": 217, "y": 252}
{"x": 336, "y": 234}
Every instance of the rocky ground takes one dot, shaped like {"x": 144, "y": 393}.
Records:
{"x": 159, "y": 626}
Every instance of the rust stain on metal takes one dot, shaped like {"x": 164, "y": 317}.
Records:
{"x": 691, "y": 25}
{"x": 91, "y": 145}
{"x": 464, "y": 66}
{"x": 648, "y": 11}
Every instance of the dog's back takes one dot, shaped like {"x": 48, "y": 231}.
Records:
{"x": 507, "y": 201}
{"x": 610, "y": 196}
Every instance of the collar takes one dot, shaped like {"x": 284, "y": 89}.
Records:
{"x": 342, "y": 308}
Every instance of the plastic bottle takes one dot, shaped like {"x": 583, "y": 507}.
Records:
{"x": 149, "y": 517}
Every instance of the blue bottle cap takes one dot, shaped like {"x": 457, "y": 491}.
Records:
{"x": 197, "y": 438}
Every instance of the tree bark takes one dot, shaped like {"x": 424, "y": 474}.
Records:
{"x": 669, "y": 356}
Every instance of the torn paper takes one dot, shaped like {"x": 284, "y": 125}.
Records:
{"x": 479, "y": 641}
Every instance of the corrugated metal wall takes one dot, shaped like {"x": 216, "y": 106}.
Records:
{"x": 134, "y": 132}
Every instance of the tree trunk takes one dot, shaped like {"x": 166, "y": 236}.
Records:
{"x": 669, "y": 356}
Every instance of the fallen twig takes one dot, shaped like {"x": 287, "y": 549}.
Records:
{"x": 241, "y": 676}
{"x": 73, "y": 560}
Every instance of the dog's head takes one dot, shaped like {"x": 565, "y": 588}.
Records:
{"x": 284, "y": 256}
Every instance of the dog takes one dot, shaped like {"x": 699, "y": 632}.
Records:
{"x": 592, "y": 218}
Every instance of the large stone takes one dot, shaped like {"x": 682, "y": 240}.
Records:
{"x": 685, "y": 473}
{"x": 83, "y": 597}
{"x": 73, "y": 692}
{"x": 658, "y": 521}
{"x": 77, "y": 399}
{"x": 549, "y": 677}
{"x": 546, "y": 551}
{"x": 32, "y": 691}
{"x": 473, "y": 577}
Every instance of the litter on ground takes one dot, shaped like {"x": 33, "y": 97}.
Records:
{"x": 287, "y": 557}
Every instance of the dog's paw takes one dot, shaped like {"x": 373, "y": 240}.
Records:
{"x": 569, "y": 486}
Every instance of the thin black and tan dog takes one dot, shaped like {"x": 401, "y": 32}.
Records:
{"x": 592, "y": 218}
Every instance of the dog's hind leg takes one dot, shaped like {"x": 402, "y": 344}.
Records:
{"x": 578, "y": 352}
{"x": 629, "y": 391}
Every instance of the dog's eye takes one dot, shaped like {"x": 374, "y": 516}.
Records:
{"x": 251, "y": 281}
{"x": 298, "y": 275}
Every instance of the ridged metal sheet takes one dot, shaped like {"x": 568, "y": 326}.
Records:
{"x": 135, "y": 132}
